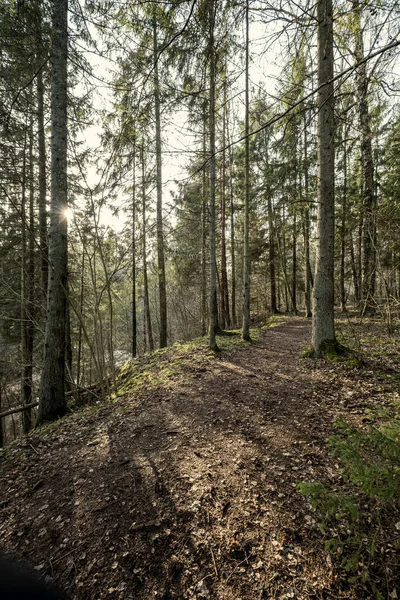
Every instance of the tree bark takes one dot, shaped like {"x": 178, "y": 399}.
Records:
{"x": 271, "y": 250}
{"x": 213, "y": 317}
{"x": 145, "y": 278}
{"x": 343, "y": 232}
{"x": 52, "y": 400}
{"x": 79, "y": 368}
{"x": 294, "y": 265}
{"x": 367, "y": 164}
{"x": 134, "y": 315}
{"x": 323, "y": 327}
{"x": 160, "y": 233}
{"x": 360, "y": 252}
{"x": 233, "y": 254}
{"x": 246, "y": 251}
{"x": 232, "y": 236}
{"x": 283, "y": 259}
{"x": 306, "y": 228}
{"x": 354, "y": 272}
{"x": 27, "y": 286}
{"x": 43, "y": 243}
{"x": 68, "y": 344}
{"x": 1, "y": 421}
{"x": 204, "y": 238}
{"x": 225, "y": 316}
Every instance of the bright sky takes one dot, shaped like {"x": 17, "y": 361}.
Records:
{"x": 178, "y": 142}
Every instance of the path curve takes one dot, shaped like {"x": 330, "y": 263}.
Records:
{"x": 190, "y": 494}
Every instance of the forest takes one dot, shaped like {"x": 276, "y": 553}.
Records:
{"x": 200, "y": 296}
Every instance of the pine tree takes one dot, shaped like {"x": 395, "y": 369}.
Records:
{"x": 52, "y": 399}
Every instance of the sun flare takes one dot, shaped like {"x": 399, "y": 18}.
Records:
{"x": 69, "y": 214}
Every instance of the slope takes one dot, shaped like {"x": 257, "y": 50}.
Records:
{"x": 187, "y": 488}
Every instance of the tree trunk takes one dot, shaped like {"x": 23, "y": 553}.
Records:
{"x": 160, "y": 234}
{"x": 1, "y": 422}
{"x": 308, "y": 272}
{"x": 367, "y": 164}
{"x": 294, "y": 265}
{"x": 271, "y": 255}
{"x": 323, "y": 327}
{"x": 44, "y": 258}
{"x": 145, "y": 279}
{"x": 232, "y": 237}
{"x": 52, "y": 400}
{"x": 343, "y": 232}
{"x": 306, "y": 228}
{"x": 68, "y": 344}
{"x": 233, "y": 255}
{"x": 27, "y": 287}
{"x": 134, "y": 316}
{"x": 283, "y": 260}
{"x": 354, "y": 272}
{"x": 225, "y": 316}
{"x": 246, "y": 251}
{"x": 360, "y": 251}
{"x": 204, "y": 239}
{"x": 144, "y": 323}
{"x": 79, "y": 369}
{"x": 213, "y": 326}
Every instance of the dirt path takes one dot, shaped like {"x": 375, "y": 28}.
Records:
{"x": 190, "y": 493}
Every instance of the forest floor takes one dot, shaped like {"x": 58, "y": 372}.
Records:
{"x": 188, "y": 488}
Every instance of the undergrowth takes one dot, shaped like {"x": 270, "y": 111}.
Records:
{"x": 360, "y": 515}
{"x": 370, "y": 343}
{"x": 163, "y": 365}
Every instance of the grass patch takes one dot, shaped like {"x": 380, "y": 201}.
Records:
{"x": 308, "y": 352}
{"x": 164, "y": 365}
{"x": 335, "y": 352}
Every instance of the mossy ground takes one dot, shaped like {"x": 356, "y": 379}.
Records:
{"x": 163, "y": 365}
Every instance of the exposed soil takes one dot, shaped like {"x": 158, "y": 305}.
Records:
{"x": 189, "y": 491}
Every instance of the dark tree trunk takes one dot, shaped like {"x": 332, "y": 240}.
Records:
{"x": 43, "y": 244}
{"x": 359, "y": 253}
{"x": 225, "y": 316}
{"x": 232, "y": 240}
{"x": 213, "y": 326}
{"x": 79, "y": 370}
{"x": 28, "y": 289}
{"x": 52, "y": 400}
{"x": 356, "y": 280}
{"x": 271, "y": 255}
{"x": 246, "y": 249}
{"x": 283, "y": 260}
{"x": 367, "y": 164}
{"x": 68, "y": 344}
{"x": 1, "y": 422}
{"x": 144, "y": 323}
{"x": 145, "y": 279}
{"x": 233, "y": 256}
{"x": 162, "y": 290}
{"x": 306, "y": 227}
{"x": 343, "y": 233}
{"x": 134, "y": 316}
{"x": 294, "y": 265}
{"x": 204, "y": 210}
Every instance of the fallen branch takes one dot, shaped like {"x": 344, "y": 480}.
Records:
{"x": 18, "y": 409}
